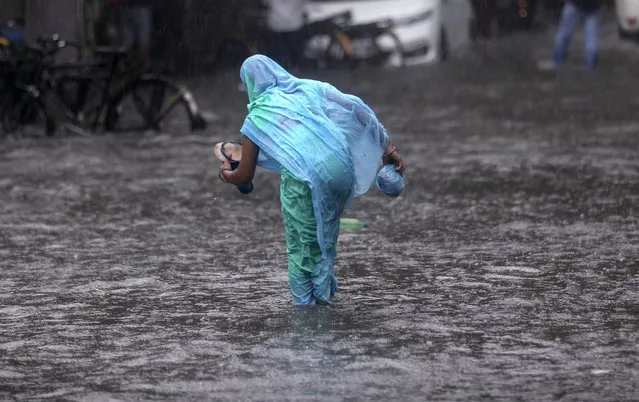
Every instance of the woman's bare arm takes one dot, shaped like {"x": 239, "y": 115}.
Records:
{"x": 392, "y": 155}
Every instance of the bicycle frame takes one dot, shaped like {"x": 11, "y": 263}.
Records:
{"x": 58, "y": 77}
{"x": 335, "y": 26}
{"x": 112, "y": 83}
{"x": 252, "y": 36}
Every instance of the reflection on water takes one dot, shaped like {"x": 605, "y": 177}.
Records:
{"x": 507, "y": 271}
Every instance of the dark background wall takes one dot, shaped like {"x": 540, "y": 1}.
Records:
{"x": 188, "y": 34}
{"x": 10, "y": 9}
{"x": 193, "y": 33}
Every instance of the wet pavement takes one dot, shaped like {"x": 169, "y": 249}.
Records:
{"x": 507, "y": 271}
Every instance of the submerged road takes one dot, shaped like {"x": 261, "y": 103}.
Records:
{"x": 507, "y": 271}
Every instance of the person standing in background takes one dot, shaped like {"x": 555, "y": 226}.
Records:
{"x": 573, "y": 12}
{"x": 285, "y": 20}
{"x": 484, "y": 14}
{"x": 138, "y": 26}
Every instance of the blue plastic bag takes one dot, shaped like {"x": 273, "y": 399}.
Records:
{"x": 389, "y": 181}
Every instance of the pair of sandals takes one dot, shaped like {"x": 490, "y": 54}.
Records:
{"x": 231, "y": 153}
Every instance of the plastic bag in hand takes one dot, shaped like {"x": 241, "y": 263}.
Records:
{"x": 389, "y": 181}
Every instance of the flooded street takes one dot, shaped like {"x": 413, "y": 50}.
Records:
{"x": 507, "y": 271}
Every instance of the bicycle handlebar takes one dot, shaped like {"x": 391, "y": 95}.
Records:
{"x": 52, "y": 42}
{"x": 47, "y": 46}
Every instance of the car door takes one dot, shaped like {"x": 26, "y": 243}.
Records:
{"x": 627, "y": 15}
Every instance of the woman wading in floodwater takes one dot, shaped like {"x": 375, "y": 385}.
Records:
{"x": 327, "y": 147}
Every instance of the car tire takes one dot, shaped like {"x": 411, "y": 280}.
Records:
{"x": 443, "y": 48}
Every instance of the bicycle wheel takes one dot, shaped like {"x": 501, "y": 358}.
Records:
{"x": 375, "y": 44}
{"x": 339, "y": 52}
{"x": 379, "y": 47}
{"x": 78, "y": 100}
{"x": 26, "y": 115}
{"x": 390, "y": 51}
{"x": 154, "y": 103}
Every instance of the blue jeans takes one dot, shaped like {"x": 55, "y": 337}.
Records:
{"x": 138, "y": 26}
{"x": 570, "y": 16}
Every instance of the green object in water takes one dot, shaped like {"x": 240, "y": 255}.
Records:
{"x": 351, "y": 224}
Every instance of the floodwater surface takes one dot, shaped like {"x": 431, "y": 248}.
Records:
{"x": 506, "y": 271}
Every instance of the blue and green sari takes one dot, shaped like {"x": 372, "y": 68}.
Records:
{"x": 327, "y": 145}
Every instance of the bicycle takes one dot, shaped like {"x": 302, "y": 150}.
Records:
{"x": 325, "y": 40}
{"x": 98, "y": 93}
{"x": 374, "y": 44}
{"x": 17, "y": 76}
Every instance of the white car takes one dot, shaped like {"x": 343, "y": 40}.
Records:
{"x": 427, "y": 29}
{"x": 628, "y": 18}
